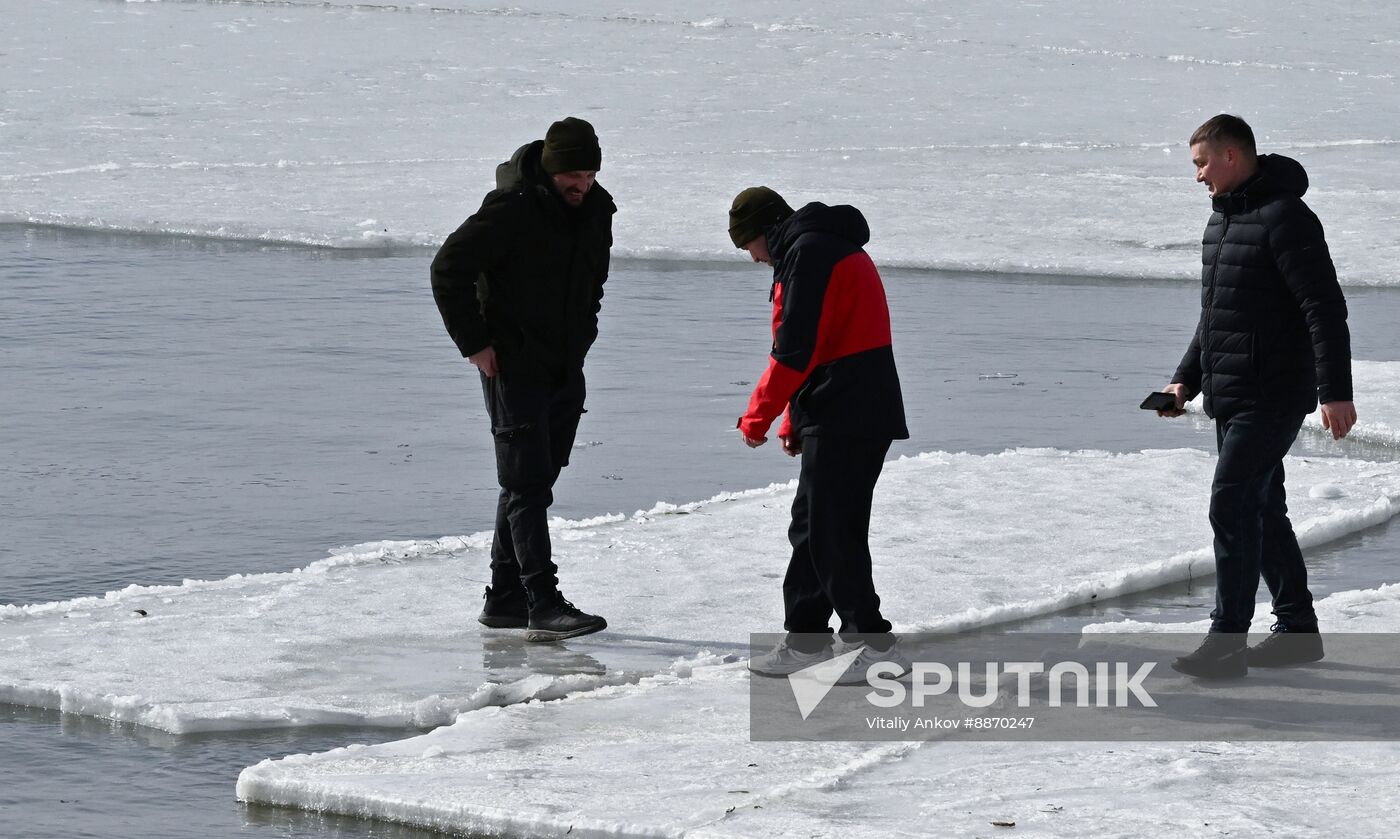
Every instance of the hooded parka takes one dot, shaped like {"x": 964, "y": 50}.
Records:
{"x": 525, "y": 273}
{"x": 1273, "y": 331}
{"x": 832, "y": 364}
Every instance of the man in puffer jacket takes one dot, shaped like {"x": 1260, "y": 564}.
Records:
{"x": 832, "y": 369}
{"x": 1271, "y": 344}
{"x": 519, "y": 286}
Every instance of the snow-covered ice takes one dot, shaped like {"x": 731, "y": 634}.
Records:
{"x": 385, "y": 634}
{"x": 672, "y": 757}
{"x": 1017, "y": 136}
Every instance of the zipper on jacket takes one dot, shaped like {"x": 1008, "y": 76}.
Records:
{"x": 1210, "y": 305}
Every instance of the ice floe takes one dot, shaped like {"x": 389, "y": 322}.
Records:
{"x": 385, "y": 634}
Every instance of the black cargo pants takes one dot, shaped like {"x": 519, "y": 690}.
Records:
{"x": 534, "y": 426}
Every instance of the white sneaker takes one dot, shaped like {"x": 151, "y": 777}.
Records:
{"x": 869, "y": 656}
{"x": 783, "y": 660}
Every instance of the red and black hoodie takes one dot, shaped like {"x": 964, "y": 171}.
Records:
{"x": 832, "y": 364}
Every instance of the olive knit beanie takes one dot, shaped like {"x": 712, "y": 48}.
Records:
{"x": 571, "y": 146}
{"x": 754, "y": 211}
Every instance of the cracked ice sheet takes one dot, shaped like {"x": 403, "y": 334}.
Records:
{"x": 385, "y": 634}
{"x": 1097, "y": 789}
{"x": 672, "y": 757}
{"x": 650, "y": 759}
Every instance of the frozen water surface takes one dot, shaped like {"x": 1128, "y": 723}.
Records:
{"x": 1016, "y": 137}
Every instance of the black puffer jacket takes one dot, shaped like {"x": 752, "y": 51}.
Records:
{"x": 1273, "y": 331}
{"x": 525, "y": 273}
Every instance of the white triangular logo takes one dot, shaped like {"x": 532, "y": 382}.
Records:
{"x": 810, "y": 685}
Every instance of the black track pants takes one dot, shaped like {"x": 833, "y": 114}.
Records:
{"x": 830, "y": 570}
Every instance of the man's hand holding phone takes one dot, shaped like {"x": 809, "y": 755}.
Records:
{"x": 1170, "y": 401}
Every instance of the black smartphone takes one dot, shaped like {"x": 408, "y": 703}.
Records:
{"x": 1158, "y": 401}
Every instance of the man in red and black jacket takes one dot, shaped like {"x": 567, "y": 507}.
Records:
{"x": 832, "y": 369}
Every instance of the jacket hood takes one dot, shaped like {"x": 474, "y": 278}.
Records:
{"x": 843, "y": 221}
{"x": 1277, "y": 176}
{"x": 1282, "y": 174}
{"x": 523, "y": 168}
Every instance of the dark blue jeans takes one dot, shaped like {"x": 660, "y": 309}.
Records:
{"x": 533, "y": 426}
{"x": 1249, "y": 514}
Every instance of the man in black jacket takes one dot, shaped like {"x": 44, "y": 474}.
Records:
{"x": 832, "y": 370}
{"x": 1271, "y": 344}
{"x": 519, "y": 286}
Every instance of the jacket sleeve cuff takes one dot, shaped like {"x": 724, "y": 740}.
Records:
{"x": 754, "y": 428}
{"x": 470, "y": 349}
{"x": 1334, "y": 394}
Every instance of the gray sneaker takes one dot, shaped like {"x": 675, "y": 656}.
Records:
{"x": 869, "y": 656}
{"x": 783, "y": 660}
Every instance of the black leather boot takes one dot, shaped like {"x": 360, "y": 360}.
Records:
{"x": 508, "y": 610}
{"x": 552, "y": 618}
{"x": 1222, "y": 655}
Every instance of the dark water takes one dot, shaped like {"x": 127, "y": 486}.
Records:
{"x": 179, "y": 409}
